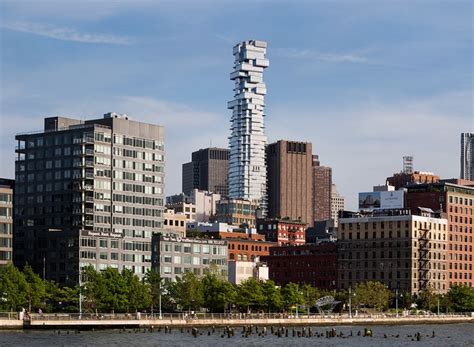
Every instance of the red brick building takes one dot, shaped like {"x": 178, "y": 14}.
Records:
{"x": 403, "y": 179}
{"x": 282, "y": 231}
{"x": 322, "y": 190}
{"x": 455, "y": 201}
{"x": 309, "y": 264}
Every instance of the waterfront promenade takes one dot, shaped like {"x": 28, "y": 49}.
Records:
{"x": 117, "y": 321}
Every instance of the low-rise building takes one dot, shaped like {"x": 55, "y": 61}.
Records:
{"x": 404, "y": 251}
{"x": 237, "y": 212}
{"x": 307, "y": 264}
{"x": 175, "y": 222}
{"x": 240, "y": 271}
{"x": 282, "y": 231}
{"x": 172, "y": 256}
{"x": 323, "y": 231}
{"x": 6, "y": 221}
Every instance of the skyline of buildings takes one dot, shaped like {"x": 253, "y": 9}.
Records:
{"x": 69, "y": 211}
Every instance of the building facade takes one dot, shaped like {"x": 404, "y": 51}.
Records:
{"x": 172, "y": 256}
{"x": 6, "y": 221}
{"x": 240, "y": 271}
{"x": 282, "y": 231}
{"x": 402, "y": 179}
{"x": 205, "y": 203}
{"x": 174, "y": 222}
{"x": 337, "y": 204}
{"x": 247, "y": 141}
{"x": 88, "y": 193}
{"x": 467, "y": 156}
{"x": 208, "y": 171}
{"x": 290, "y": 181}
{"x": 403, "y": 251}
{"x": 322, "y": 188}
{"x": 455, "y": 202}
{"x": 237, "y": 212}
{"x": 308, "y": 264}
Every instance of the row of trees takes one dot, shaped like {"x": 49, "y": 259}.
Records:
{"x": 112, "y": 291}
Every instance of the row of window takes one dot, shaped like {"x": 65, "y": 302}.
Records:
{"x": 194, "y": 248}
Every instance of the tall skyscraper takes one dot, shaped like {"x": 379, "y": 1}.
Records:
{"x": 207, "y": 171}
{"x": 88, "y": 193}
{"x": 290, "y": 181}
{"x": 322, "y": 187}
{"x": 247, "y": 171}
{"x": 337, "y": 204}
{"x": 467, "y": 156}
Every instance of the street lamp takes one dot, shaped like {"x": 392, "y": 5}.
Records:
{"x": 350, "y": 302}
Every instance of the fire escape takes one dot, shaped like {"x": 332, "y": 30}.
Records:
{"x": 423, "y": 259}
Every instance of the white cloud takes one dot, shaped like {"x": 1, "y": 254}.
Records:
{"x": 314, "y": 55}
{"x": 65, "y": 34}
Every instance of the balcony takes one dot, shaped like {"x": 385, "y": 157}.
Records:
{"x": 89, "y": 163}
{"x": 89, "y": 175}
{"x": 89, "y": 210}
{"x": 89, "y": 199}
{"x": 88, "y": 223}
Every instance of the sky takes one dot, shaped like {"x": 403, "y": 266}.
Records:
{"x": 365, "y": 81}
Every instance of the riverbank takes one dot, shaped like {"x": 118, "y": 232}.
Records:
{"x": 59, "y": 323}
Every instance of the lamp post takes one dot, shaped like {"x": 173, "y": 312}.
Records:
{"x": 350, "y": 303}
{"x": 396, "y": 301}
{"x": 159, "y": 302}
{"x": 438, "y": 305}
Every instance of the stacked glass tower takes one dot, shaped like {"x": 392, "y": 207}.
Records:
{"x": 467, "y": 156}
{"x": 88, "y": 193}
{"x": 247, "y": 169}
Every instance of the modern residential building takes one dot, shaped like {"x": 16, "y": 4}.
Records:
{"x": 467, "y": 156}
{"x": 290, "y": 181}
{"x": 240, "y": 271}
{"x": 88, "y": 192}
{"x": 237, "y": 212}
{"x": 174, "y": 222}
{"x": 282, "y": 231}
{"x": 207, "y": 171}
{"x": 308, "y": 264}
{"x": 6, "y": 220}
{"x": 337, "y": 204}
{"x": 247, "y": 169}
{"x": 402, "y": 250}
{"x": 455, "y": 200}
{"x": 322, "y": 188}
{"x": 172, "y": 256}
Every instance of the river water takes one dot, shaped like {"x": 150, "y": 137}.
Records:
{"x": 445, "y": 335}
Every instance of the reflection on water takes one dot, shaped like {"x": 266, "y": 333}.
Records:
{"x": 399, "y": 335}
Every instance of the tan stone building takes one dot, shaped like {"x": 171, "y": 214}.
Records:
{"x": 290, "y": 181}
{"x": 322, "y": 187}
{"x": 6, "y": 221}
{"x": 175, "y": 222}
{"x": 403, "y": 251}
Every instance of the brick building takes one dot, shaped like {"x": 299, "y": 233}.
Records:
{"x": 290, "y": 182}
{"x": 455, "y": 202}
{"x": 282, "y": 231}
{"x": 322, "y": 190}
{"x": 308, "y": 264}
{"x": 403, "y": 179}
{"x": 399, "y": 249}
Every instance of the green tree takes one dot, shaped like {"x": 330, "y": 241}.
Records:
{"x": 138, "y": 292}
{"x": 273, "y": 300}
{"x": 36, "y": 288}
{"x": 115, "y": 297}
{"x": 461, "y": 298}
{"x": 250, "y": 294}
{"x": 155, "y": 284}
{"x": 427, "y": 299}
{"x": 93, "y": 289}
{"x": 372, "y": 295}
{"x": 218, "y": 293}
{"x": 13, "y": 288}
{"x": 310, "y": 296}
{"x": 187, "y": 292}
{"x": 292, "y": 296}
{"x": 64, "y": 299}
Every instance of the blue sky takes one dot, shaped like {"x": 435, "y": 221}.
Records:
{"x": 365, "y": 81}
